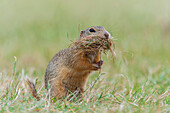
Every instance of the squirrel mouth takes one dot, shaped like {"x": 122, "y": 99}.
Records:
{"x": 101, "y": 43}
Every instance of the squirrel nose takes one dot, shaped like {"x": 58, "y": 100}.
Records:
{"x": 106, "y": 35}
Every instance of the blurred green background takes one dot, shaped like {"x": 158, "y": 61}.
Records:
{"x": 35, "y": 30}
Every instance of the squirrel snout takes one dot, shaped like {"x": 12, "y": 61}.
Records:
{"x": 106, "y": 35}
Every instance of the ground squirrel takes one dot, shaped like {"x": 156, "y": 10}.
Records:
{"x": 68, "y": 70}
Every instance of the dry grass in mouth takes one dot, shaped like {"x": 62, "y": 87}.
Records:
{"x": 94, "y": 43}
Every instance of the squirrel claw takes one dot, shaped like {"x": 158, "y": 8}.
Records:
{"x": 100, "y": 63}
{"x": 97, "y": 65}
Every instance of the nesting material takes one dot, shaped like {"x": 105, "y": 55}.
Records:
{"x": 94, "y": 43}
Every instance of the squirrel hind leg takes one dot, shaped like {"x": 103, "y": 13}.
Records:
{"x": 33, "y": 90}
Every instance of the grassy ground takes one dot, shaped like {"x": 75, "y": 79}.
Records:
{"x": 34, "y": 31}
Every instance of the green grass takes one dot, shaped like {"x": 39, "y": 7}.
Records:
{"x": 34, "y": 31}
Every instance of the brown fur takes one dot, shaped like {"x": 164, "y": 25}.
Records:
{"x": 72, "y": 73}
{"x": 68, "y": 70}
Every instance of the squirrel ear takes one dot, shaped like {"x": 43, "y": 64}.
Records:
{"x": 82, "y": 33}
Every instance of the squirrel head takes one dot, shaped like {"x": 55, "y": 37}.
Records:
{"x": 98, "y": 31}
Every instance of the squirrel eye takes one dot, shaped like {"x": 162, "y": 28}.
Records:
{"x": 92, "y": 30}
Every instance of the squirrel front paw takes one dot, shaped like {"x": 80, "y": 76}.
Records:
{"x": 100, "y": 63}
{"x": 96, "y": 66}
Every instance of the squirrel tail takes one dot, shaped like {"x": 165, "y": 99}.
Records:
{"x": 33, "y": 90}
